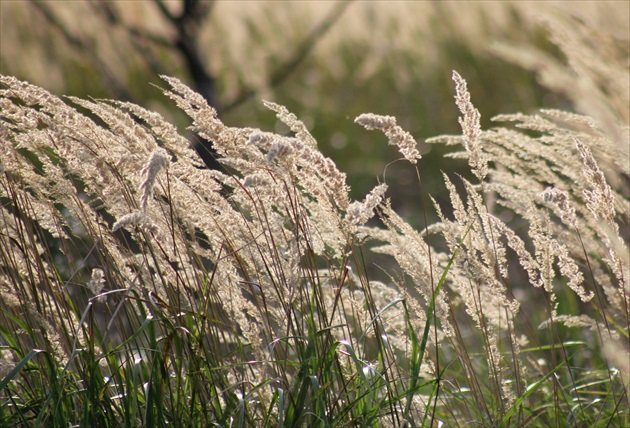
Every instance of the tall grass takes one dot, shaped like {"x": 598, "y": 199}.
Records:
{"x": 141, "y": 289}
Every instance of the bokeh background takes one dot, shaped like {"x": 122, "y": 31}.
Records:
{"x": 327, "y": 61}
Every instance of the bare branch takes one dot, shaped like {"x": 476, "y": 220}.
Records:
{"x": 108, "y": 10}
{"x": 165, "y": 11}
{"x": 84, "y": 48}
{"x": 139, "y": 38}
{"x": 297, "y": 57}
{"x": 187, "y": 25}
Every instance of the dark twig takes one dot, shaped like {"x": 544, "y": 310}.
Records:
{"x": 108, "y": 10}
{"x": 84, "y": 48}
{"x": 139, "y": 38}
{"x": 187, "y": 25}
{"x": 296, "y": 58}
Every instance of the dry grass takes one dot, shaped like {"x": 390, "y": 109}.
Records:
{"x": 141, "y": 289}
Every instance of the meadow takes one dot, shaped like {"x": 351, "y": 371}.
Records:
{"x": 140, "y": 288}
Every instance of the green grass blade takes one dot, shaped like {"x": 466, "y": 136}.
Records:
{"x": 18, "y": 367}
{"x": 530, "y": 390}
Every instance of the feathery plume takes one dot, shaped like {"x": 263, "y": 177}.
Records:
{"x": 600, "y": 200}
{"x": 360, "y": 212}
{"x": 397, "y": 136}
{"x": 291, "y": 120}
{"x": 158, "y": 161}
{"x": 561, "y": 201}
{"x": 130, "y": 219}
{"x": 471, "y": 128}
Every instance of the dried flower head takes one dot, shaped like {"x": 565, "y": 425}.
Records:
{"x": 158, "y": 161}
{"x": 471, "y": 128}
{"x": 600, "y": 199}
{"x": 397, "y": 136}
{"x": 360, "y": 212}
{"x": 130, "y": 219}
{"x": 561, "y": 201}
{"x": 97, "y": 282}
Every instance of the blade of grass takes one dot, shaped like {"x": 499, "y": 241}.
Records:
{"x": 417, "y": 353}
{"x": 530, "y": 390}
{"x": 18, "y": 367}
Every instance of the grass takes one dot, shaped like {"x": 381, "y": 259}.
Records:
{"x": 141, "y": 289}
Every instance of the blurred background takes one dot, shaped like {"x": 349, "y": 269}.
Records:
{"x": 326, "y": 61}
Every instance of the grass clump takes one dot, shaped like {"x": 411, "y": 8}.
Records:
{"x": 141, "y": 289}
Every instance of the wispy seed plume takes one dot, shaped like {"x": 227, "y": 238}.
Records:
{"x": 158, "y": 161}
{"x": 471, "y": 128}
{"x": 561, "y": 201}
{"x": 397, "y": 136}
